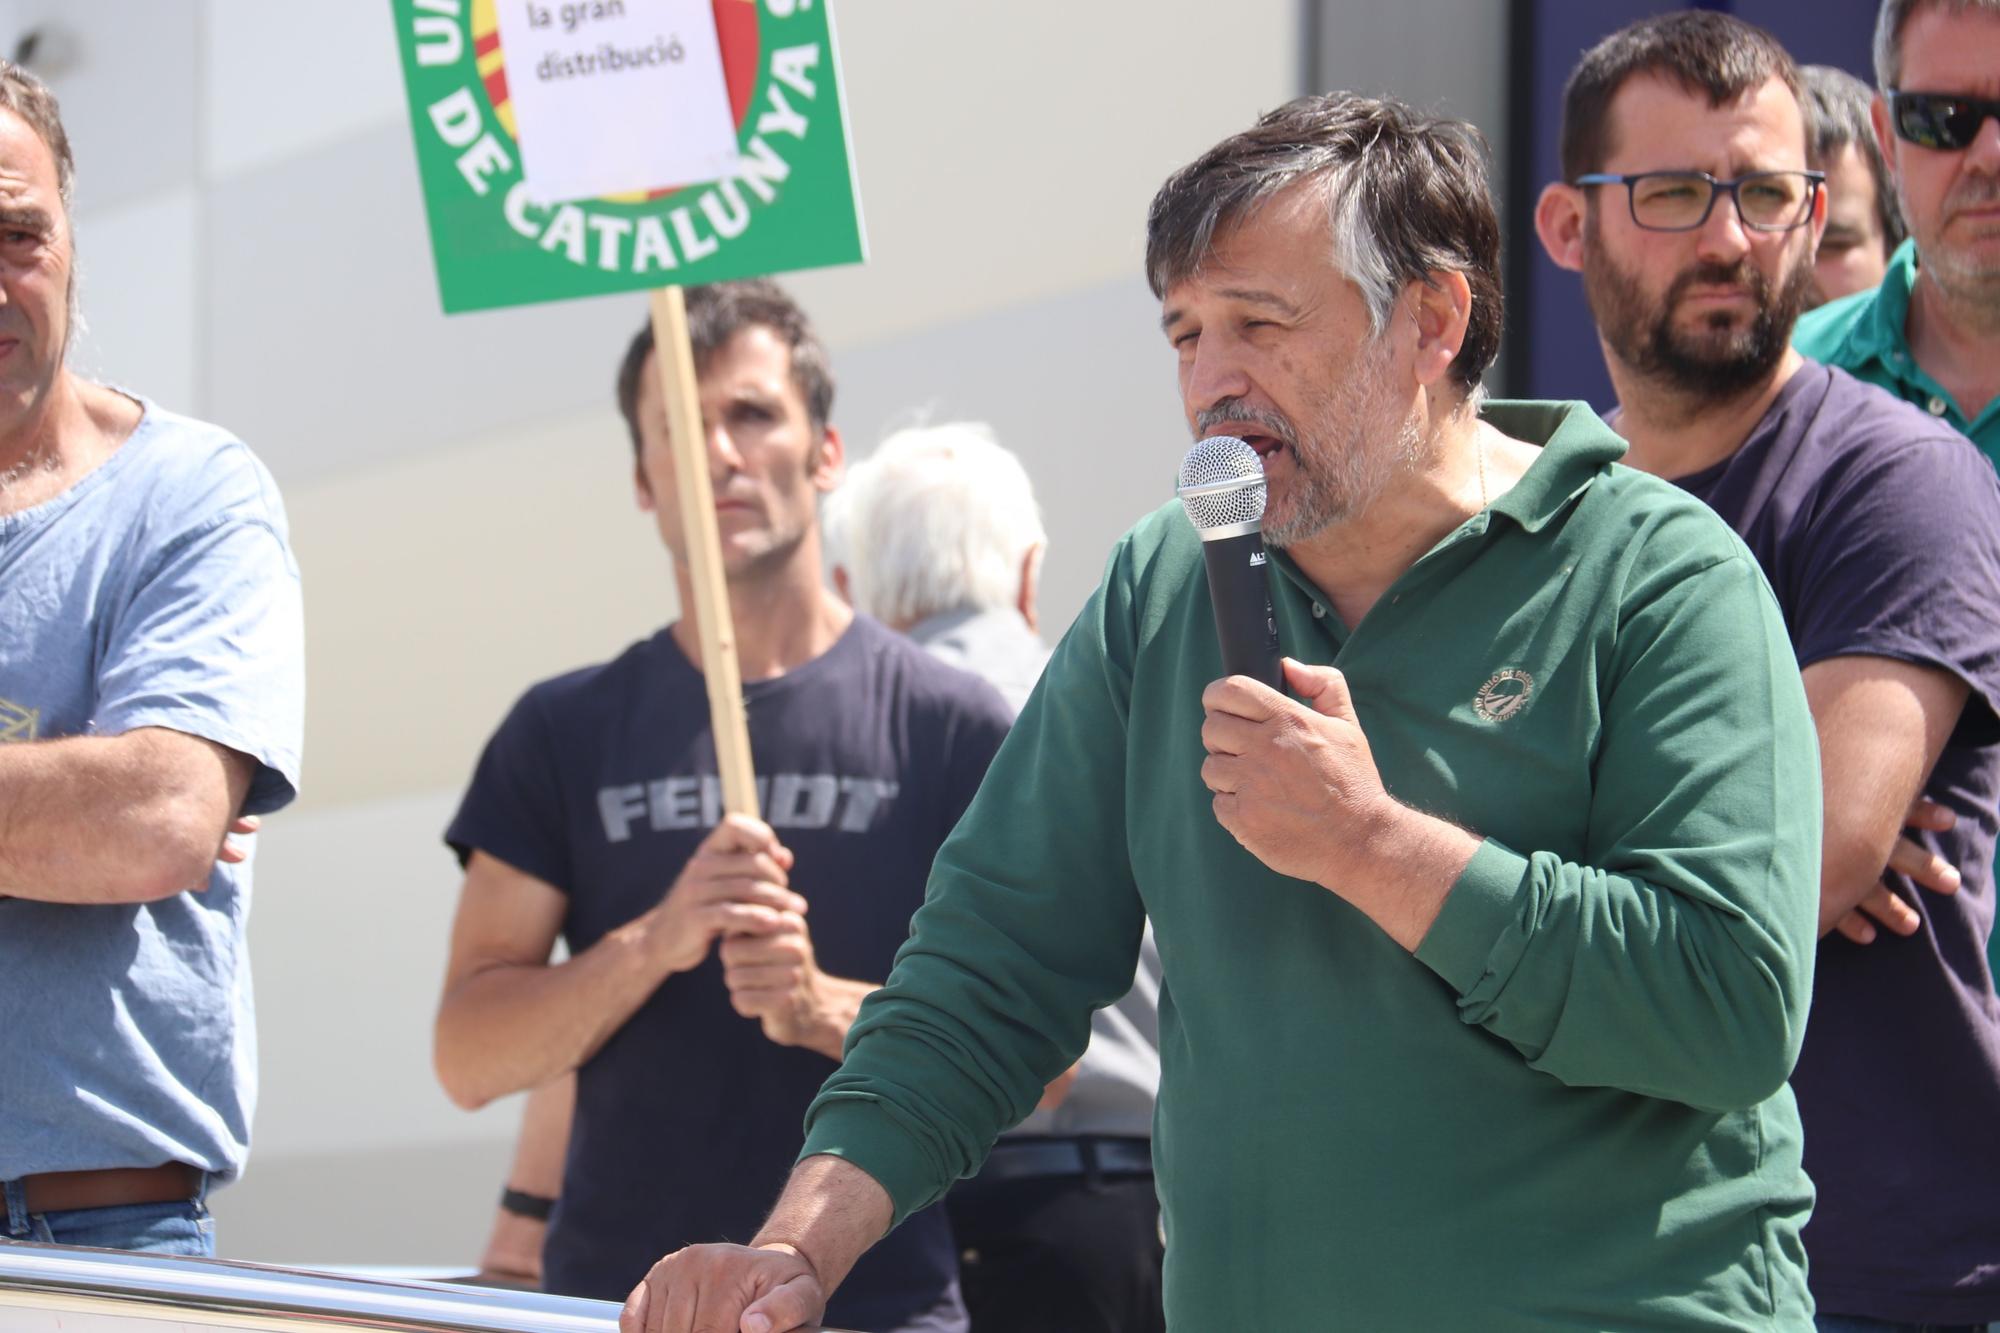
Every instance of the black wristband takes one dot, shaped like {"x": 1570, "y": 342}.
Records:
{"x": 523, "y": 1204}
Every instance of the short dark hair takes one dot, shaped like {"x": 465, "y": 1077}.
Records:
{"x": 1406, "y": 195}
{"x": 717, "y": 313}
{"x": 30, "y": 99}
{"x": 1889, "y": 24}
{"x": 1836, "y": 107}
{"x": 1699, "y": 49}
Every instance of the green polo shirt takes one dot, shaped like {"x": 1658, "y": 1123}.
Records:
{"x": 1568, "y": 1109}
{"x": 1865, "y": 335}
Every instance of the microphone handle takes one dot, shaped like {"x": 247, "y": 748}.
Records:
{"x": 1240, "y": 590}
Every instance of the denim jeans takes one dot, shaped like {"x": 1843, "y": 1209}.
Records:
{"x": 183, "y": 1226}
{"x": 1847, "y": 1323}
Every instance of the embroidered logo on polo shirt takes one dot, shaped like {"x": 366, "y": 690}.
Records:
{"x": 17, "y": 722}
{"x": 1503, "y": 695}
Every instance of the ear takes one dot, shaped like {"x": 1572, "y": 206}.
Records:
{"x": 642, "y": 490}
{"x": 831, "y": 465}
{"x": 840, "y": 584}
{"x": 1885, "y": 137}
{"x": 1443, "y": 307}
{"x": 1821, "y": 203}
{"x": 1031, "y": 578}
{"x": 1559, "y": 224}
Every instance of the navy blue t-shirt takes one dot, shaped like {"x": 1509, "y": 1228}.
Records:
{"x": 601, "y": 782}
{"x": 1879, "y": 530}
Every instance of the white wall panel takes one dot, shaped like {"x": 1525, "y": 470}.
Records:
{"x": 127, "y": 74}
{"x": 324, "y": 334}
{"x": 348, "y": 926}
{"x": 138, "y": 294}
{"x": 290, "y": 78}
{"x": 1008, "y": 153}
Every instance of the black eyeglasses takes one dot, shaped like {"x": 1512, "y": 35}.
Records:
{"x": 1944, "y": 121}
{"x": 1682, "y": 200}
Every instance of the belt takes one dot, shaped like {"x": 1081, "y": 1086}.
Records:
{"x": 1034, "y": 1155}
{"x": 66, "y": 1191}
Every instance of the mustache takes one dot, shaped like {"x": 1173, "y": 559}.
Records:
{"x": 1709, "y": 274}
{"x": 1232, "y": 411}
{"x": 1973, "y": 192}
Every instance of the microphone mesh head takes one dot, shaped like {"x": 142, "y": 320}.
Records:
{"x": 1209, "y": 468}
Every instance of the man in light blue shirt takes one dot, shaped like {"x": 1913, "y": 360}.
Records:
{"x": 151, "y": 686}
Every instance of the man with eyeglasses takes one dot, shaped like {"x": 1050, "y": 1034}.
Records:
{"x": 1689, "y": 211}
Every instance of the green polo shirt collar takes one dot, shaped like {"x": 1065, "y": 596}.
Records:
{"x": 1878, "y": 338}
{"x": 1878, "y": 334}
{"x": 1576, "y": 445}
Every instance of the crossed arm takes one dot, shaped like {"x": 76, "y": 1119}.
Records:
{"x": 1882, "y": 724}
{"x": 116, "y": 819}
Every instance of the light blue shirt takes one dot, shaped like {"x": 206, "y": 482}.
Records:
{"x": 158, "y": 591}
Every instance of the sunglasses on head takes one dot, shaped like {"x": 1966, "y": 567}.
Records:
{"x": 1939, "y": 120}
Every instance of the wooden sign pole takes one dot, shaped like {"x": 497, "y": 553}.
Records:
{"x": 727, "y": 721}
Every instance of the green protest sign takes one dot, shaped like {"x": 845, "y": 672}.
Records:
{"x": 502, "y": 236}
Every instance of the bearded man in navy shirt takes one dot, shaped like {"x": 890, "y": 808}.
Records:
{"x": 1690, "y": 210}
{"x": 715, "y": 962}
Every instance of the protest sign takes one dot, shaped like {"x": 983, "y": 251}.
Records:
{"x": 597, "y": 88}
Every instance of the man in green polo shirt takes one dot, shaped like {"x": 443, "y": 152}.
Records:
{"x": 1930, "y": 333}
{"x": 1487, "y": 956}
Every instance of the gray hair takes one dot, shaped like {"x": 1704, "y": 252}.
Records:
{"x": 1406, "y": 195}
{"x": 1889, "y": 24}
{"x": 1836, "y": 106}
{"x": 937, "y": 519}
{"x": 29, "y": 98}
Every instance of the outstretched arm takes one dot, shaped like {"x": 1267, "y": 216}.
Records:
{"x": 828, "y": 1216}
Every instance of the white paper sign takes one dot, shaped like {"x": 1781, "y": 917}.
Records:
{"x": 616, "y": 96}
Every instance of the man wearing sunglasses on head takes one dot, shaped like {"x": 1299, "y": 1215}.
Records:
{"x": 1689, "y": 209}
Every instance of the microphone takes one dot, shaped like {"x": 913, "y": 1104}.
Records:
{"x": 1222, "y": 490}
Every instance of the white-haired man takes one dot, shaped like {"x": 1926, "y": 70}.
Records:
{"x": 937, "y": 533}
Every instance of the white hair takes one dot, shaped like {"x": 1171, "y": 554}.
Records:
{"x": 937, "y": 519}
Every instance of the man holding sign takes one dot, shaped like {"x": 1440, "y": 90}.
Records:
{"x": 716, "y": 961}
